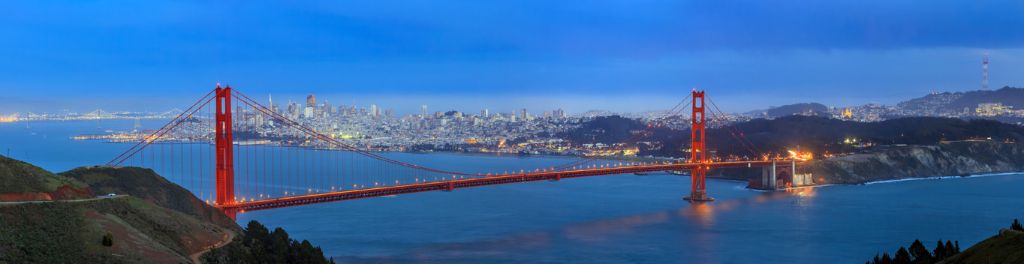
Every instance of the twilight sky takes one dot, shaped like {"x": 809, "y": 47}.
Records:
{"x": 466, "y": 55}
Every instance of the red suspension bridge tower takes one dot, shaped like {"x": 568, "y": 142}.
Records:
{"x": 225, "y": 174}
{"x": 698, "y": 153}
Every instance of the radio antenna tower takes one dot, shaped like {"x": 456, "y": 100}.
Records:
{"x": 984, "y": 71}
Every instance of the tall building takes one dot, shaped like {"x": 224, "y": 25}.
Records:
{"x": 423, "y": 111}
{"x": 559, "y": 113}
{"x": 374, "y": 111}
{"x": 273, "y": 107}
{"x": 311, "y": 101}
{"x": 485, "y": 113}
{"x": 293, "y": 109}
{"x": 525, "y": 115}
{"x": 327, "y": 107}
{"x": 308, "y": 112}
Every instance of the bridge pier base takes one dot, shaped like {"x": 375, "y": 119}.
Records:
{"x": 698, "y": 197}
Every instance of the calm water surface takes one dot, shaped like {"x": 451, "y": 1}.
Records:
{"x": 613, "y": 219}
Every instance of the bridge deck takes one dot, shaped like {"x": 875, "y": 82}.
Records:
{"x": 473, "y": 182}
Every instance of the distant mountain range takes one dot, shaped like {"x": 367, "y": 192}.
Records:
{"x": 945, "y": 104}
{"x": 948, "y": 102}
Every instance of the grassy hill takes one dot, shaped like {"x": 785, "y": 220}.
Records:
{"x": 150, "y": 221}
{"x": 72, "y": 232}
{"x": 1007, "y": 247}
{"x": 147, "y": 185}
{"x": 20, "y": 181}
{"x": 157, "y": 222}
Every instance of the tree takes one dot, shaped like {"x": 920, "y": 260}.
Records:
{"x": 950, "y": 250}
{"x": 108, "y": 240}
{"x": 886, "y": 259}
{"x": 1016, "y": 225}
{"x": 902, "y": 256}
{"x": 956, "y": 243}
{"x": 920, "y": 253}
{"x": 940, "y": 251}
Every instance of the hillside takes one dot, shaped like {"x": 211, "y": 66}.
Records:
{"x": 604, "y": 129}
{"x": 20, "y": 181}
{"x": 947, "y": 159}
{"x": 1006, "y": 247}
{"x": 820, "y": 135}
{"x": 815, "y": 134}
{"x": 145, "y": 184}
{"x": 808, "y": 109}
{"x": 955, "y": 102}
{"x": 151, "y": 220}
{"x": 912, "y": 161}
{"x": 70, "y": 230}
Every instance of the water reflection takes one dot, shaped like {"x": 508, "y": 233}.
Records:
{"x": 600, "y": 230}
{"x": 699, "y": 216}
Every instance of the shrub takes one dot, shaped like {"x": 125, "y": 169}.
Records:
{"x": 108, "y": 240}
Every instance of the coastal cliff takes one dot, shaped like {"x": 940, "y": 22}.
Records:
{"x": 911, "y": 161}
{"x": 898, "y": 162}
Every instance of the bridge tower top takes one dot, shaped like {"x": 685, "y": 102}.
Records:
{"x": 697, "y": 153}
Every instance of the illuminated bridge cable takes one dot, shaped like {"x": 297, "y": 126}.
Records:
{"x": 163, "y": 130}
{"x": 674, "y": 111}
{"x": 738, "y": 135}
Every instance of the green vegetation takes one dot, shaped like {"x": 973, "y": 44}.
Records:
{"x": 108, "y": 240}
{"x": 20, "y": 177}
{"x": 147, "y": 185}
{"x": 155, "y": 222}
{"x": 43, "y": 233}
{"x": 84, "y": 232}
{"x": 1006, "y": 247}
{"x": 258, "y": 245}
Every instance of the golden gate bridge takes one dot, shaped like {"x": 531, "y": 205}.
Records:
{"x": 247, "y": 168}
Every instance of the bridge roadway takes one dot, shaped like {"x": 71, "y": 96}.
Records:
{"x": 450, "y": 185}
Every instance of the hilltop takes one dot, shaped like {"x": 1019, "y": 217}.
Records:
{"x": 55, "y": 218}
{"x": 952, "y": 102}
{"x": 808, "y": 109}
{"x": 20, "y": 181}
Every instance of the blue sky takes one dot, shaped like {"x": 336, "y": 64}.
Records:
{"x": 466, "y": 55}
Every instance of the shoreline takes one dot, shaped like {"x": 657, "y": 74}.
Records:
{"x": 943, "y": 177}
